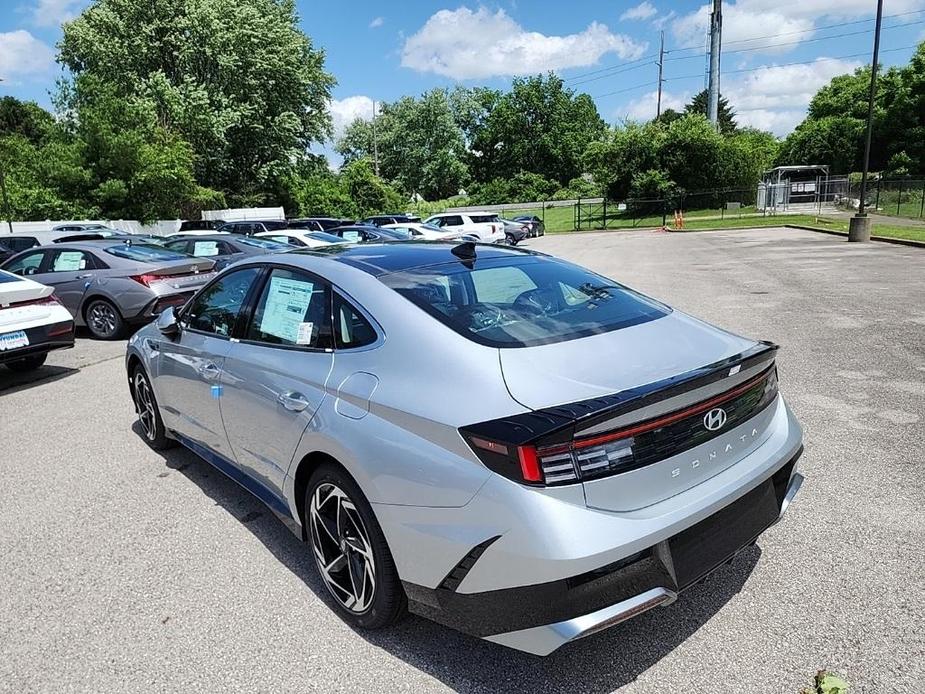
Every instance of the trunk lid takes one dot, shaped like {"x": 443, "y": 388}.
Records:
{"x": 637, "y": 399}
{"x": 613, "y": 362}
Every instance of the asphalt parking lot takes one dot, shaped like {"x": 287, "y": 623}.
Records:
{"x": 132, "y": 571}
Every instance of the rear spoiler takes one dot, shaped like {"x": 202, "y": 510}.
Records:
{"x": 557, "y": 424}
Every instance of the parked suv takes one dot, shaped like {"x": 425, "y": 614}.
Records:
{"x": 380, "y": 220}
{"x": 482, "y": 226}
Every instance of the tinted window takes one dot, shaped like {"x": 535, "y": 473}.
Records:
{"x": 20, "y": 243}
{"x": 215, "y": 309}
{"x": 70, "y": 261}
{"x": 27, "y": 264}
{"x": 351, "y": 329}
{"x": 292, "y": 311}
{"x": 145, "y": 253}
{"x": 274, "y": 225}
{"x": 519, "y": 302}
{"x": 481, "y": 218}
{"x": 451, "y": 221}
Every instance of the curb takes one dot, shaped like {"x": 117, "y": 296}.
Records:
{"x": 886, "y": 239}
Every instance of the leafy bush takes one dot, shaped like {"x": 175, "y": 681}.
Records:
{"x": 827, "y": 683}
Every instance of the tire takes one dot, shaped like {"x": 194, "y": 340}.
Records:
{"x": 509, "y": 240}
{"x": 346, "y": 546}
{"x": 149, "y": 415}
{"x": 104, "y": 320}
{"x": 27, "y": 363}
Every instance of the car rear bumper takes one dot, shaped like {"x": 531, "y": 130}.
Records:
{"x": 42, "y": 339}
{"x": 540, "y": 618}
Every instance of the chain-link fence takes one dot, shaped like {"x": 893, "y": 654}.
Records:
{"x": 899, "y": 197}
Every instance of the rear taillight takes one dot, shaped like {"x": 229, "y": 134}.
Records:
{"x": 555, "y": 456}
{"x": 147, "y": 278}
{"x": 49, "y": 300}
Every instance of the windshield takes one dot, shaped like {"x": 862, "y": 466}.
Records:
{"x": 268, "y": 244}
{"x": 145, "y": 253}
{"x": 521, "y": 302}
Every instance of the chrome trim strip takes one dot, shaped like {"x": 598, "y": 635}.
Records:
{"x": 796, "y": 481}
{"x": 543, "y": 640}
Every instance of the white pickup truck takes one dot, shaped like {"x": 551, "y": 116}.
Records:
{"x": 485, "y": 226}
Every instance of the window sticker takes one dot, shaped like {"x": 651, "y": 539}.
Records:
{"x": 69, "y": 261}
{"x": 205, "y": 248}
{"x": 305, "y": 333}
{"x": 287, "y": 302}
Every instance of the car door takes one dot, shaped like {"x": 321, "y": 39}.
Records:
{"x": 70, "y": 271}
{"x": 274, "y": 377}
{"x": 189, "y": 366}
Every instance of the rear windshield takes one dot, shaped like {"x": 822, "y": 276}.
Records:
{"x": 268, "y": 244}
{"x": 7, "y": 277}
{"x": 479, "y": 218}
{"x": 145, "y": 252}
{"x": 521, "y": 302}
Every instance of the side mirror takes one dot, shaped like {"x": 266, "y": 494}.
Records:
{"x": 167, "y": 322}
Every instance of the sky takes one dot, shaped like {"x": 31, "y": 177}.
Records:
{"x": 776, "y": 53}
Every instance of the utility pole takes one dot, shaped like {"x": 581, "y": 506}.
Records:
{"x": 661, "y": 62}
{"x": 859, "y": 225}
{"x": 375, "y": 142}
{"x": 6, "y": 200}
{"x": 716, "y": 30}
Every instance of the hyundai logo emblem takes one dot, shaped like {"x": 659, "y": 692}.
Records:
{"x": 715, "y": 419}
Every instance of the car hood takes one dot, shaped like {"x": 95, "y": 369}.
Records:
{"x": 589, "y": 367}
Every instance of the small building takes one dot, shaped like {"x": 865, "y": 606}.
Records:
{"x": 786, "y": 186}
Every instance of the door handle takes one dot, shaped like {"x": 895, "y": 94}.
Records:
{"x": 292, "y": 401}
{"x": 208, "y": 371}
{"x": 85, "y": 277}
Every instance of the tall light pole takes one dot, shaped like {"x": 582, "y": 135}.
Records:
{"x": 375, "y": 142}
{"x": 661, "y": 62}
{"x": 6, "y": 200}
{"x": 716, "y": 32}
{"x": 859, "y": 226}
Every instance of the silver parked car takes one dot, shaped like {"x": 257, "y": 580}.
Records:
{"x": 495, "y": 439}
{"x": 108, "y": 284}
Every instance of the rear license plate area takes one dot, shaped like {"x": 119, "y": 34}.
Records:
{"x": 13, "y": 340}
{"x": 704, "y": 546}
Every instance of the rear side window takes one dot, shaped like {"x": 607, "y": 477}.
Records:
{"x": 482, "y": 218}
{"x": 292, "y": 311}
{"x": 522, "y": 302}
{"x": 20, "y": 243}
{"x": 351, "y": 329}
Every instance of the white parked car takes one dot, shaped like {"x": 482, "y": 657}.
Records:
{"x": 487, "y": 227}
{"x": 303, "y": 238}
{"x": 424, "y": 232}
{"x": 32, "y": 323}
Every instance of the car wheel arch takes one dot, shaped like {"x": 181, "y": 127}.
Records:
{"x": 97, "y": 297}
{"x": 303, "y": 473}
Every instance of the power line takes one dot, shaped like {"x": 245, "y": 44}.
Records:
{"x": 629, "y": 68}
{"x": 795, "y": 43}
{"x": 612, "y": 67}
{"x": 755, "y": 69}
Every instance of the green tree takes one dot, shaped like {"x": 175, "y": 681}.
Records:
{"x": 421, "y": 148}
{"x": 726, "y": 116}
{"x": 832, "y": 140}
{"x": 25, "y": 118}
{"x": 538, "y": 126}
{"x": 236, "y": 79}
{"x": 369, "y": 193}
{"x": 623, "y": 151}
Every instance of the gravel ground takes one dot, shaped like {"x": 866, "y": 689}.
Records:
{"x": 131, "y": 571}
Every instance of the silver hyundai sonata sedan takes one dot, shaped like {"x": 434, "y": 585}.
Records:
{"x": 495, "y": 439}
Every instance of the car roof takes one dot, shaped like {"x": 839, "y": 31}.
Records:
{"x": 383, "y": 258}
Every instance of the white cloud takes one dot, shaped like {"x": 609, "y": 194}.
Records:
{"x": 22, "y": 54}
{"x": 791, "y": 24}
{"x": 643, "y": 10}
{"x": 462, "y": 44}
{"x": 377, "y": 22}
{"x": 644, "y": 108}
{"x": 345, "y": 111}
{"x": 51, "y": 13}
{"x": 775, "y": 97}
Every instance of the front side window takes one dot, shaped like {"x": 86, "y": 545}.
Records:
{"x": 293, "y": 311}
{"x": 521, "y": 302}
{"x": 28, "y": 264}
{"x": 215, "y": 309}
